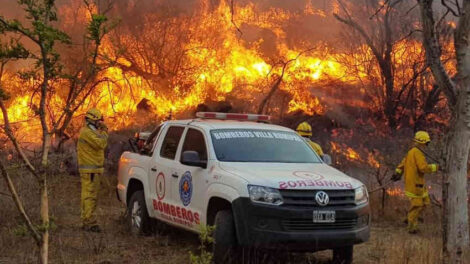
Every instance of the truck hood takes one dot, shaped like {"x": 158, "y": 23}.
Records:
{"x": 297, "y": 176}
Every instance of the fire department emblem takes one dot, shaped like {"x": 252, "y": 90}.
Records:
{"x": 186, "y": 188}
{"x": 307, "y": 175}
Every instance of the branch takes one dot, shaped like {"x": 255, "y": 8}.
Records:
{"x": 9, "y": 133}
{"x": 18, "y": 29}
{"x": 435, "y": 201}
{"x": 232, "y": 10}
{"x": 411, "y": 9}
{"x": 454, "y": 12}
{"x": 439, "y": 22}
{"x": 433, "y": 53}
{"x": 278, "y": 82}
{"x": 416, "y": 74}
{"x": 379, "y": 9}
{"x": 409, "y": 35}
{"x": 6, "y": 194}
{"x": 382, "y": 187}
{"x": 361, "y": 32}
{"x": 89, "y": 92}
{"x": 34, "y": 233}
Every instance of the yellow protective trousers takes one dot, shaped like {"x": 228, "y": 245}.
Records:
{"x": 416, "y": 207}
{"x": 90, "y": 187}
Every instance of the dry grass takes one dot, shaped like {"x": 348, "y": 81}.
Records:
{"x": 389, "y": 241}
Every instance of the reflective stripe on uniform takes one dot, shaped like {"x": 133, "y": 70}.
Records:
{"x": 412, "y": 195}
{"x": 100, "y": 135}
{"x": 90, "y": 167}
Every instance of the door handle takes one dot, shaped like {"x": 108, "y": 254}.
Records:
{"x": 175, "y": 175}
{"x": 153, "y": 169}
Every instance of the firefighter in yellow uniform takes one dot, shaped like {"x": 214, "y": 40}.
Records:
{"x": 414, "y": 166}
{"x": 305, "y": 130}
{"x": 90, "y": 150}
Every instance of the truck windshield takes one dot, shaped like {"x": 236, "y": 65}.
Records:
{"x": 252, "y": 145}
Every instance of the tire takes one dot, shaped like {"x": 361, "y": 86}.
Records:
{"x": 343, "y": 255}
{"x": 138, "y": 220}
{"x": 225, "y": 247}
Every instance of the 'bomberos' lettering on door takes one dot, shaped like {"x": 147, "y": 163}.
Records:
{"x": 176, "y": 214}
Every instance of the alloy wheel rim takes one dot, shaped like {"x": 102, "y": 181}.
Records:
{"x": 136, "y": 215}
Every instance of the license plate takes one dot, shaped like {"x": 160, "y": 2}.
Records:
{"x": 324, "y": 216}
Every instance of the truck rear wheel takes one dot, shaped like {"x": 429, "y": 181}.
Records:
{"x": 225, "y": 247}
{"x": 138, "y": 220}
{"x": 343, "y": 255}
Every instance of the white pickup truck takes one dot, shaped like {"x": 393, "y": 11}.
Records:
{"x": 261, "y": 185}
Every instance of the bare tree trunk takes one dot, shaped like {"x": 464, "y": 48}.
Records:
{"x": 266, "y": 99}
{"x": 274, "y": 88}
{"x": 454, "y": 188}
{"x": 456, "y": 236}
{"x": 383, "y": 56}
{"x": 390, "y": 107}
{"x": 433, "y": 52}
{"x": 46, "y": 143}
{"x": 45, "y": 221}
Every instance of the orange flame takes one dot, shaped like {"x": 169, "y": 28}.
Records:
{"x": 395, "y": 191}
{"x": 218, "y": 69}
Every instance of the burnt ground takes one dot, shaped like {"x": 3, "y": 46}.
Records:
{"x": 389, "y": 241}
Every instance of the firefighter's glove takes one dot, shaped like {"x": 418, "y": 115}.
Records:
{"x": 441, "y": 167}
{"x": 434, "y": 167}
{"x": 102, "y": 126}
{"x": 397, "y": 175}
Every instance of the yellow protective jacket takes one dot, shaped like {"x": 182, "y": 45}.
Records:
{"x": 414, "y": 166}
{"x": 90, "y": 150}
{"x": 315, "y": 147}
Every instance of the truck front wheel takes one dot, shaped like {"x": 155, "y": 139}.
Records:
{"x": 138, "y": 219}
{"x": 225, "y": 246}
{"x": 343, "y": 255}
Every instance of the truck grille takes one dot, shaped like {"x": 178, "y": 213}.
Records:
{"x": 306, "y": 198}
{"x": 309, "y": 225}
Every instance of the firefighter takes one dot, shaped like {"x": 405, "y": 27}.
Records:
{"x": 90, "y": 150}
{"x": 305, "y": 130}
{"x": 414, "y": 166}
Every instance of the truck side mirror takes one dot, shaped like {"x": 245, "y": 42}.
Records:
{"x": 191, "y": 158}
{"x": 327, "y": 159}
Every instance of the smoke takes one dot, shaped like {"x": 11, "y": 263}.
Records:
{"x": 307, "y": 28}
{"x": 319, "y": 26}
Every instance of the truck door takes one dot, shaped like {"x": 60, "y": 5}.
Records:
{"x": 190, "y": 186}
{"x": 161, "y": 171}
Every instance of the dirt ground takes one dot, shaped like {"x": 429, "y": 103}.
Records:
{"x": 389, "y": 241}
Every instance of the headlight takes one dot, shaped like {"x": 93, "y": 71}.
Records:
{"x": 265, "y": 195}
{"x": 361, "y": 196}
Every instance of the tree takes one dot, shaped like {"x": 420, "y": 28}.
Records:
{"x": 277, "y": 81}
{"x": 382, "y": 27}
{"x": 41, "y": 14}
{"x": 84, "y": 76}
{"x": 457, "y": 91}
{"x": 41, "y": 31}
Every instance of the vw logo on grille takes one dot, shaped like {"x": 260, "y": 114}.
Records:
{"x": 322, "y": 198}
